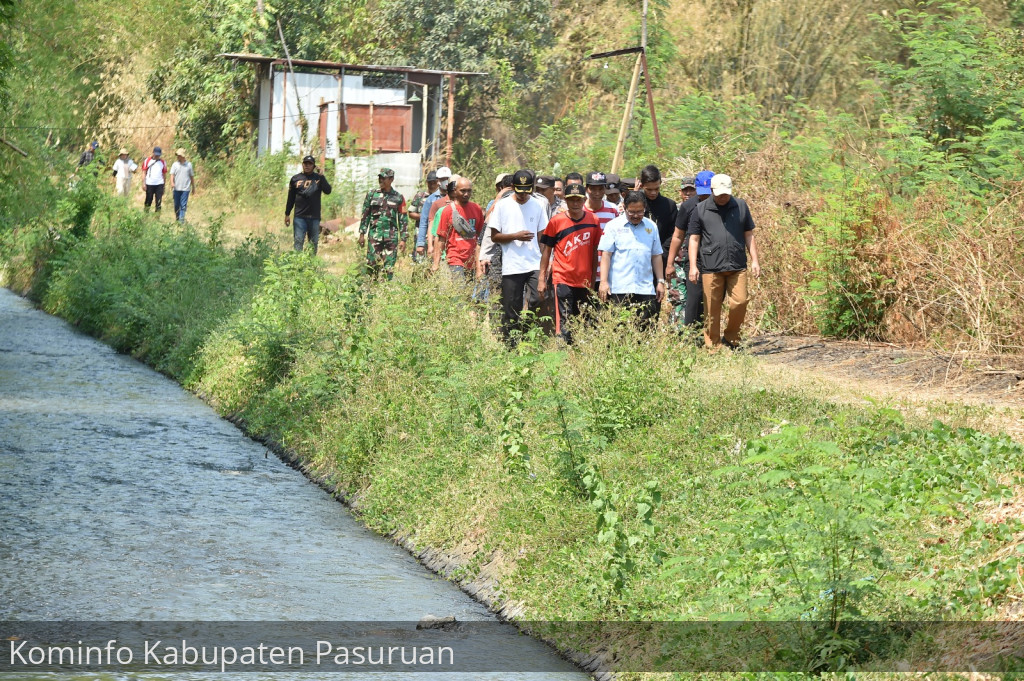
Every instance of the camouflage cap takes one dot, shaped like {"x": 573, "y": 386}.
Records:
{"x": 386, "y": 172}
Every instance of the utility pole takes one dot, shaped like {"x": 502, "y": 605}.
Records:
{"x": 640, "y": 65}
{"x": 647, "y": 78}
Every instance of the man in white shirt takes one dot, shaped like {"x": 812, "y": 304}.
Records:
{"x": 183, "y": 180}
{"x": 154, "y": 169}
{"x": 515, "y": 223}
{"x": 123, "y": 169}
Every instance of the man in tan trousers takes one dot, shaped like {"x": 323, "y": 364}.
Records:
{"x": 724, "y": 233}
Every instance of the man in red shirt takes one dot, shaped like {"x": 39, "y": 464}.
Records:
{"x": 569, "y": 255}
{"x": 458, "y": 231}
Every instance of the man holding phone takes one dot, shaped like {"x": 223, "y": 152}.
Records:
{"x": 304, "y": 190}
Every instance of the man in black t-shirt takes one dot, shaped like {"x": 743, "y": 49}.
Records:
{"x": 661, "y": 209}
{"x": 304, "y": 190}
{"x": 687, "y": 297}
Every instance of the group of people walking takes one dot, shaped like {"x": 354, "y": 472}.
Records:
{"x": 557, "y": 246}
{"x": 154, "y": 173}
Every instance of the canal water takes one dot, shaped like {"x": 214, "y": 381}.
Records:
{"x": 124, "y": 498}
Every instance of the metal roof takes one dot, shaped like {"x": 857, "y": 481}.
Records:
{"x": 337, "y": 66}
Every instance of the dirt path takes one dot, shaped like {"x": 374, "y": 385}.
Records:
{"x": 985, "y": 392}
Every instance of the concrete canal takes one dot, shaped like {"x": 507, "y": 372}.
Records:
{"x": 125, "y": 498}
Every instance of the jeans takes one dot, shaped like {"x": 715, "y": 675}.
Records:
{"x": 180, "y": 204}
{"x": 303, "y": 227}
{"x": 154, "y": 192}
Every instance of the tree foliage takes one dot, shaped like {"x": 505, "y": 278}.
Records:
{"x": 215, "y": 97}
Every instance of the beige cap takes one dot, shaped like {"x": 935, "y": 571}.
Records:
{"x": 123, "y": 151}
{"x": 180, "y": 151}
{"x": 721, "y": 184}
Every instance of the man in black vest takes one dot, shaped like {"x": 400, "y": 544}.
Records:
{"x": 722, "y": 231}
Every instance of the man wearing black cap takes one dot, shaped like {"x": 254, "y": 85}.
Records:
{"x": 515, "y": 224}
{"x": 545, "y": 188}
{"x": 154, "y": 173}
{"x": 613, "y": 191}
{"x": 416, "y": 205}
{"x": 385, "y": 223}
{"x": 569, "y": 257}
{"x": 304, "y": 190}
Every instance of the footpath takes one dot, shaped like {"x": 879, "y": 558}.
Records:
{"x": 990, "y": 388}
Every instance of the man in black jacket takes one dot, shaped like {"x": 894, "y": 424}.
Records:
{"x": 722, "y": 231}
{"x": 304, "y": 192}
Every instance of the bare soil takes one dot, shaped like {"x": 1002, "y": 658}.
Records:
{"x": 905, "y": 376}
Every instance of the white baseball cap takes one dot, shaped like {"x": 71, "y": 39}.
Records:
{"x": 444, "y": 171}
{"x": 721, "y": 184}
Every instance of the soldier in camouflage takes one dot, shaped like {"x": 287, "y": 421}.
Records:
{"x": 385, "y": 222}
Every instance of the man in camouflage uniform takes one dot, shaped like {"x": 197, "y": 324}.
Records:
{"x": 416, "y": 205}
{"x": 385, "y": 222}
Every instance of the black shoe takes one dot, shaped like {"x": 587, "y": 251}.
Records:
{"x": 732, "y": 345}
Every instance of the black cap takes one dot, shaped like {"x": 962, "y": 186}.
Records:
{"x": 575, "y": 190}
{"x": 544, "y": 182}
{"x": 522, "y": 181}
{"x": 627, "y": 183}
{"x": 432, "y": 176}
{"x": 596, "y": 179}
{"x": 308, "y": 159}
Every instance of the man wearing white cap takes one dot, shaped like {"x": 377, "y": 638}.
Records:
{"x": 184, "y": 182}
{"x": 722, "y": 231}
{"x": 444, "y": 175}
{"x": 123, "y": 169}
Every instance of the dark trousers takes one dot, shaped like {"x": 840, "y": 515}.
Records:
{"x": 568, "y": 301}
{"x": 154, "y": 191}
{"x": 517, "y": 289}
{"x": 694, "y": 312}
{"x": 645, "y": 307}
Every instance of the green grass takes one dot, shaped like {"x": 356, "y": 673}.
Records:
{"x": 630, "y": 477}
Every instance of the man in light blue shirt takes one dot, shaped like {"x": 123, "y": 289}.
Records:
{"x": 631, "y": 261}
{"x": 443, "y": 175}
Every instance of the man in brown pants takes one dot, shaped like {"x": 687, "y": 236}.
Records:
{"x": 724, "y": 233}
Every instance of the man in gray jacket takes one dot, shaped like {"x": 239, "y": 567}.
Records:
{"x": 722, "y": 231}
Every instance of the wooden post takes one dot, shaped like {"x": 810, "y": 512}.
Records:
{"x": 647, "y": 77}
{"x": 650, "y": 100}
{"x": 620, "y": 142}
{"x": 451, "y": 117}
{"x": 321, "y": 127}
